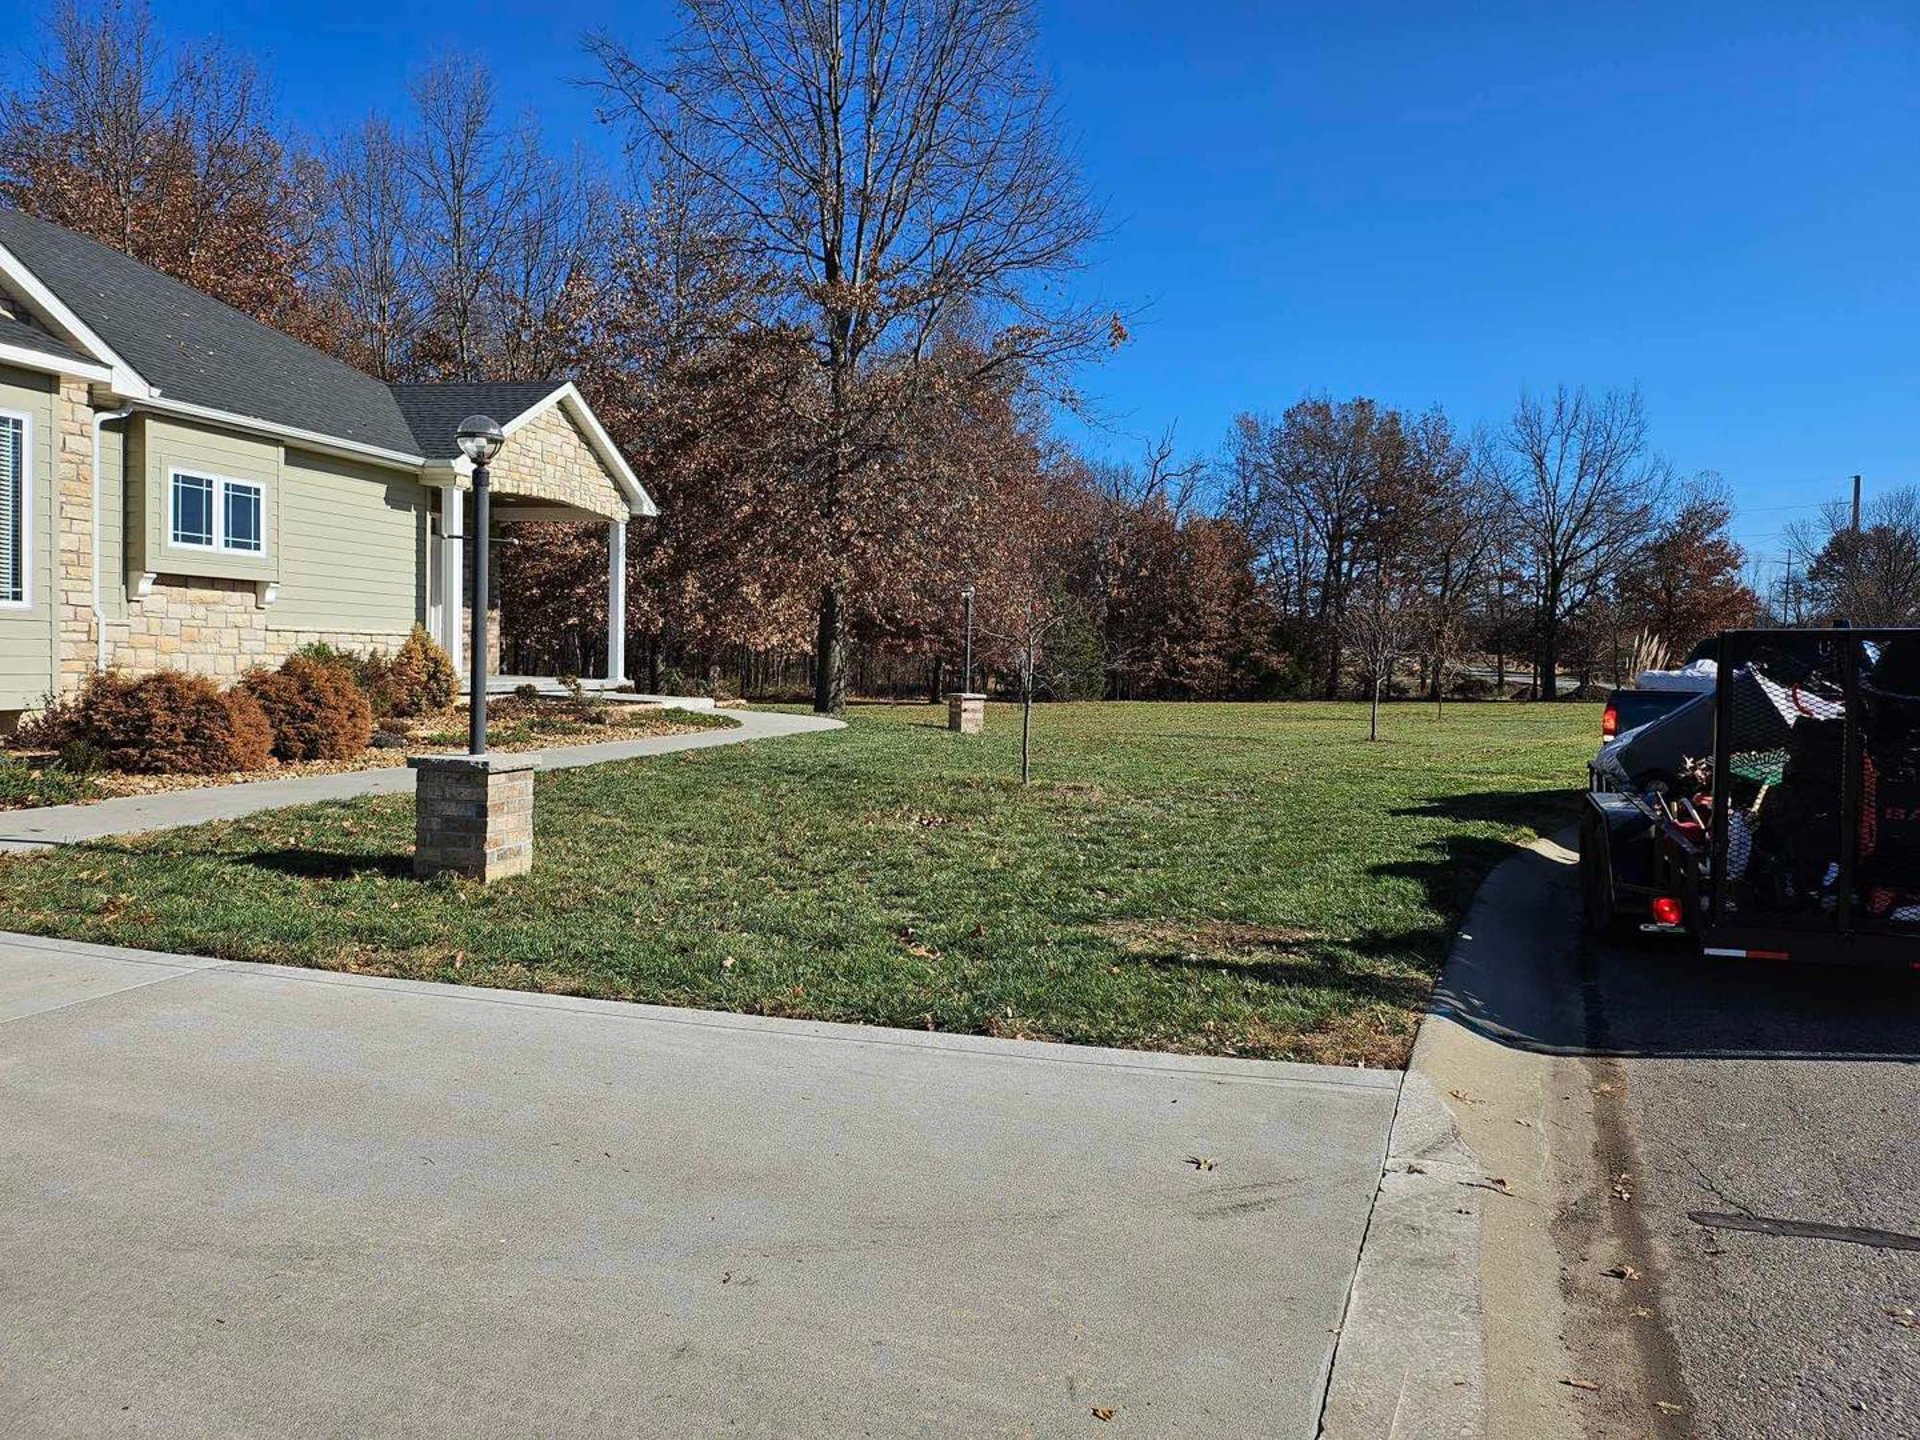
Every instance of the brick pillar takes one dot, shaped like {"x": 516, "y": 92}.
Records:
{"x": 73, "y": 522}
{"x": 966, "y": 712}
{"x": 473, "y": 815}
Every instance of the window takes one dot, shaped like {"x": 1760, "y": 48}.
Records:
{"x": 211, "y": 513}
{"x": 241, "y": 508}
{"x": 16, "y": 513}
{"x": 192, "y": 510}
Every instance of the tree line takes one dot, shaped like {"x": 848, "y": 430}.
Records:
{"x": 827, "y": 308}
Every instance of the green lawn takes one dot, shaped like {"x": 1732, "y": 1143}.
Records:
{"x": 1231, "y": 879}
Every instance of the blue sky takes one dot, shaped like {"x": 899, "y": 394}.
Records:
{"x": 1717, "y": 202}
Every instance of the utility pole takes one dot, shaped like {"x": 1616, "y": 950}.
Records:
{"x": 1853, "y": 551}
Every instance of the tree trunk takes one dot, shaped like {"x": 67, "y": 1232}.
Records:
{"x": 1026, "y": 735}
{"x": 1373, "y": 714}
{"x": 939, "y": 678}
{"x": 830, "y": 656}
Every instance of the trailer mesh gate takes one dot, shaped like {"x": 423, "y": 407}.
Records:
{"x": 1818, "y": 782}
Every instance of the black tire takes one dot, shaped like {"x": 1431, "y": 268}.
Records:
{"x": 1601, "y": 915}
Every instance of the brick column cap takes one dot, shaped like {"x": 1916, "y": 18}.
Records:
{"x": 488, "y": 764}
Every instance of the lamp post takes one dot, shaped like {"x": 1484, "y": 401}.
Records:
{"x": 480, "y": 440}
{"x": 966, "y": 666}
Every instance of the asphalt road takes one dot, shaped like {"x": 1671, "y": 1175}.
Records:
{"x": 1670, "y": 1084}
{"x": 1786, "y": 1094}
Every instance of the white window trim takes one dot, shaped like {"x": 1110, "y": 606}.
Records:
{"x": 221, "y": 485}
{"x": 29, "y": 532}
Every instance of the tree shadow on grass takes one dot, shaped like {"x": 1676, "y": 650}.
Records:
{"x": 306, "y": 864}
{"x": 1303, "y": 963}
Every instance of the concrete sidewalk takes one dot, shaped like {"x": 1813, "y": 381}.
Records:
{"x": 174, "y": 809}
{"x": 250, "y": 1200}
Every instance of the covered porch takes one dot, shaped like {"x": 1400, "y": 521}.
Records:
{"x": 450, "y": 582}
{"x": 556, "y": 466}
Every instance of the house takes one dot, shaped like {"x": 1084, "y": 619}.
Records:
{"x": 184, "y": 487}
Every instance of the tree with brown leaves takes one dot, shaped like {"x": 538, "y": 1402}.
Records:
{"x": 897, "y": 165}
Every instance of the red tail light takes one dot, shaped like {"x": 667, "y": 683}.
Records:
{"x": 1609, "y": 723}
{"x": 1666, "y": 910}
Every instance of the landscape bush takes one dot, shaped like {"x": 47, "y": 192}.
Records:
{"x": 166, "y": 723}
{"x": 316, "y": 709}
{"x": 417, "y": 679}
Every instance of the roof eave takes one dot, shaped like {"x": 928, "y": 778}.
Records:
{"x": 25, "y": 358}
{"x": 54, "y": 313}
{"x": 306, "y": 439}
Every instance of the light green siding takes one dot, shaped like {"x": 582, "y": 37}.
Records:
{"x": 171, "y": 445}
{"x": 353, "y": 542}
{"x": 26, "y": 634}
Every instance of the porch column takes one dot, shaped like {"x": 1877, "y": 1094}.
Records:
{"x": 453, "y": 563}
{"x": 617, "y": 601}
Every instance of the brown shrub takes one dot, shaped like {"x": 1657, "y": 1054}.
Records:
{"x": 315, "y": 709}
{"x": 418, "y": 678}
{"x": 167, "y": 723}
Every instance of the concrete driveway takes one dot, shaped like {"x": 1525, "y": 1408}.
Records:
{"x": 243, "y": 1200}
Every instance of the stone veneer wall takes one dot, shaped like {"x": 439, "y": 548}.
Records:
{"x": 213, "y": 627}
{"x": 74, "y": 637}
{"x": 549, "y": 459}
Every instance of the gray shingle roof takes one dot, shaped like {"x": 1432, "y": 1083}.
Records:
{"x": 434, "y": 412}
{"x": 27, "y": 337}
{"x": 197, "y": 350}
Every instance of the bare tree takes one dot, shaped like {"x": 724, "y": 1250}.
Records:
{"x": 899, "y": 164}
{"x": 1381, "y": 628}
{"x": 1304, "y": 488}
{"x": 370, "y": 268}
{"x": 1871, "y": 577}
{"x": 174, "y": 159}
{"x": 474, "y": 180}
{"x": 1026, "y": 643}
{"x": 1457, "y": 542}
{"x": 1585, "y": 493}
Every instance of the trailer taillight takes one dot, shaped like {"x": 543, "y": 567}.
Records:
{"x": 1666, "y": 910}
{"x": 1609, "y": 723}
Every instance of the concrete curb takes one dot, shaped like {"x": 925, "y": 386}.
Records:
{"x": 1452, "y": 1323}
{"x": 31, "y": 830}
{"x": 1411, "y": 1358}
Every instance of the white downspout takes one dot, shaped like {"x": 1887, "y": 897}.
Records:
{"x": 100, "y": 418}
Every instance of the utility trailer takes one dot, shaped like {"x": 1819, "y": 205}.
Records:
{"x": 1777, "y": 818}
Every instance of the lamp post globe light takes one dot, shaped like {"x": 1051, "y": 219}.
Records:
{"x": 480, "y": 439}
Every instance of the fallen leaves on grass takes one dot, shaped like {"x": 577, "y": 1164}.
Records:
{"x": 1621, "y": 1189}
{"x": 1905, "y": 1317}
{"x": 1201, "y": 1162}
{"x": 1667, "y": 1407}
{"x": 1622, "y": 1272}
{"x": 1104, "y": 1412}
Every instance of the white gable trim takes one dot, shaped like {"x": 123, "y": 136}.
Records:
{"x": 26, "y": 359}
{"x": 569, "y": 396}
{"x": 52, "y": 311}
